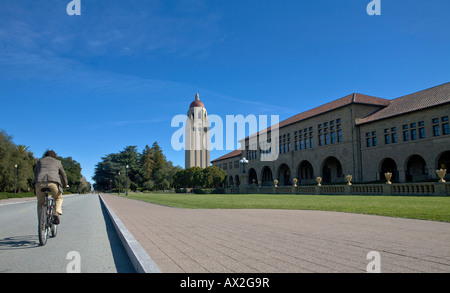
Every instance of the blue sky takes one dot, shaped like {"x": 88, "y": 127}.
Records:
{"x": 90, "y": 85}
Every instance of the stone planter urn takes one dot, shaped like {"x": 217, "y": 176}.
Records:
{"x": 295, "y": 182}
{"x": 349, "y": 179}
{"x": 259, "y": 183}
{"x": 275, "y": 182}
{"x": 319, "y": 179}
{"x": 441, "y": 173}
{"x": 388, "y": 176}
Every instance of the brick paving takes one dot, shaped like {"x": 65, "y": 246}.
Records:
{"x": 281, "y": 241}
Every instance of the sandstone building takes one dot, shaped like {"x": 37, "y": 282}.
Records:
{"x": 360, "y": 135}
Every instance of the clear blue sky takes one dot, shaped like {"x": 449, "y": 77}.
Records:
{"x": 90, "y": 85}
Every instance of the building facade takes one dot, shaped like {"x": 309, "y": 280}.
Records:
{"x": 197, "y": 138}
{"x": 356, "y": 135}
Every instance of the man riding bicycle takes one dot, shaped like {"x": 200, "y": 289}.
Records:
{"x": 50, "y": 174}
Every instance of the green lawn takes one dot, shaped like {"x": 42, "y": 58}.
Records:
{"x": 5, "y": 195}
{"x": 414, "y": 207}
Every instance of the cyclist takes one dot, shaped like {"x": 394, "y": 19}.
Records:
{"x": 50, "y": 173}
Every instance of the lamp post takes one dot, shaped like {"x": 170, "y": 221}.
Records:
{"x": 243, "y": 161}
{"x": 15, "y": 179}
{"x": 127, "y": 179}
{"x": 119, "y": 181}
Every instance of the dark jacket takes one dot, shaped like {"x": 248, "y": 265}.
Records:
{"x": 49, "y": 169}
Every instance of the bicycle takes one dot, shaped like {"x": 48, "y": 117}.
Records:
{"x": 46, "y": 222}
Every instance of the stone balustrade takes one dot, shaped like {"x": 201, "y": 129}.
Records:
{"x": 418, "y": 188}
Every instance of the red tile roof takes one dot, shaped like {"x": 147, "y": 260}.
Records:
{"x": 428, "y": 98}
{"x": 345, "y": 101}
{"x": 236, "y": 153}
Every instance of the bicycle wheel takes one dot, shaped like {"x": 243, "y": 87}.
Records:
{"x": 53, "y": 227}
{"x": 42, "y": 223}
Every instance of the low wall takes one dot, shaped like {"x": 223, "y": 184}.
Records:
{"x": 423, "y": 188}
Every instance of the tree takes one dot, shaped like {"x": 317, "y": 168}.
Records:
{"x": 213, "y": 176}
{"x": 106, "y": 174}
{"x": 25, "y": 166}
{"x": 159, "y": 160}
{"x": 148, "y": 170}
{"x": 210, "y": 177}
{"x": 85, "y": 185}
{"x": 10, "y": 156}
{"x": 147, "y": 163}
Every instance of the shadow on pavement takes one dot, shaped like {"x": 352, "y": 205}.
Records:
{"x": 19, "y": 242}
{"x": 121, "y": 259}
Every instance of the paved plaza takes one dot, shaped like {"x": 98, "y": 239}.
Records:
{"x": 281, "y": 241}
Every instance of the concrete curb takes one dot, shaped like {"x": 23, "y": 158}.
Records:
{"x": 139, "y": 258}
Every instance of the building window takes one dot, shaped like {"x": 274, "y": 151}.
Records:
{"x": 421, "y": 129}
{"x": 405, "y": 132}
{"x": 394, "y": 137}
{"x": 371, "y": 139}
{"x": 445, "y": 126}
{"x": 329, "y": 133}
{"x": 421, "y": 132}
{"x": 288, "y": 142}
{"x": 333, "y": 137}
{"x": 387, "y": 137}
{"x": 445, "y": 129}
{"x": 436, "y": 127}
{"x": 405, "y": 136}
{"x": 296, "y": 145}
{"x": 339, "y": 131}
{"x": 280, "y": 145}
{"x": 327, "y": 138}
{"x": 413, "y": 134}
{"x": 436, "y": 131}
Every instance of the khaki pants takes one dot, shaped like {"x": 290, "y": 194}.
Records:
{"x": 56, "y": 194}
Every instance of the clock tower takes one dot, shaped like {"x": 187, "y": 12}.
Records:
{"x": 197, "y": 142}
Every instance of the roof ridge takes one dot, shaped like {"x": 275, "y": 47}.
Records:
{"x": 421, "y": 91}
{"x": 431, "y": 97}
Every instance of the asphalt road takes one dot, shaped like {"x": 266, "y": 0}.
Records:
{"x": 86, "y": 241}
